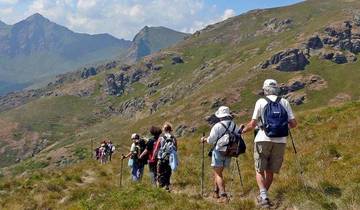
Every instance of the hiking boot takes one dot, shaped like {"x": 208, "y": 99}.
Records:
{"x": 215, "y": 194}
{"x": 263, "y": 203}
{"x": 223, "y": 198}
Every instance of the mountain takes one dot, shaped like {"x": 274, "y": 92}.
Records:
{"x": 312, "y": 48}
{"x": 38, "y": 48}
{"x": 152, "y": 39}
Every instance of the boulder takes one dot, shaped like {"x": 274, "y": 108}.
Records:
{"x": 355, "y": 46}
{"x": 88, "y": 72}
{"x": 177, "y": 60}
{"x": 136, "y": 76}
{"x": 339, "y": 58}
{"x": 296, "y": 98}
{"x": 157, "y": 67}
{"x": 110, "y": 65}
{"x": 327, "y": 55}
{"x": 314, "y": 43}
{"x": 111, "y": 87}
{"x": 290, "y": 60}
{"x": 296, "y": 85}
{"x": 125, "y": 67}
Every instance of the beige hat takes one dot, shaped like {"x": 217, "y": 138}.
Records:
{"x": 223, "y": 111}
{"x": 270, "y": 83}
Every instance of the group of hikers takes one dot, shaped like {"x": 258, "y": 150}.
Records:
{"x": 159, "y": 152}
{"x": 104, "y": 152}
{"x": 271, "y": 121}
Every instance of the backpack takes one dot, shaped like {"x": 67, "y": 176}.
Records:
{"x": 167, "y": 146}
{"x": 275, "y": 122}
{"x": 152, "y": 158}
{"x": 235, "y": 144}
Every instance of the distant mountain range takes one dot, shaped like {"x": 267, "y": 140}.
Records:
{"x": 36, "y": 49}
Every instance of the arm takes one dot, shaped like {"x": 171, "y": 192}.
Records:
{"x": 145, "y": 152}
{"x": 250, "y": 126}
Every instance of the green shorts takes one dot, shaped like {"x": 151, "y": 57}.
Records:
{"x": 268, "y": 156}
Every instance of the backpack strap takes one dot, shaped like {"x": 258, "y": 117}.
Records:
{"x": 267, "y": 99}
{"x": 278, "y": 99}
{"x": 227, "y": 128}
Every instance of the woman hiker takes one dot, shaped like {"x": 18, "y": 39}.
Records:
{"x": 151, "y": 149}
{"x": 136, "y": 163}
{"x": 218, "y": 138}
{"x": 168, "y": 144}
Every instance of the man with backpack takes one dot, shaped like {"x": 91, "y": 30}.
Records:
{"x": 168, "y": 145}
{"x": 111, "y": 149}
{"x": 135, "y": 162}
{"x": 274, "y": 116}
{"x": 151, "y": 150}
{"x": 220, "y": 135}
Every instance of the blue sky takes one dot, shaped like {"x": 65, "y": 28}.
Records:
{"x": 124, "y": 18}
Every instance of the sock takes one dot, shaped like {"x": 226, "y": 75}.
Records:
{"x": 263, "y": 193}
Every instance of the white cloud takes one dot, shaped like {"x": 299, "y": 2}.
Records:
{"x": 6, "y": 11}
{"x": 122, "y": 18}
{"x": 228, "y": 13}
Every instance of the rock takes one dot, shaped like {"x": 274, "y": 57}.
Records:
{"x": 314, "y": 43}
{"x": 111, "y": 87}
{"x": 345, "y": 44}
{"x": 177, "y": 60}
{"x": 355, "y": 46}
{"x": 136, "y": 76}
{"x": 357, "y": 19}
{"x": 296, "y": 98}
{"x": 340, "y": 98}
{"x": 130, "y": 107}
{"x": 218, "y": 102}
{"x": 276, "y": 25}
{"x": 125, "y": 67}
{"x": 331, "y": 41}
{"x": 289, "y": 60}
{"x": 149, "y": 65}
{"x": 350, "y": 57}
{"x": 153, "y": 83}
{"x": 110, "y": 65}
{"x": 88, "y": 72}
{"x": 181, "y": 130}
{"x": 339, "y": 58}
{"x": 327, "y": 55}
{"x": 157, "y": 67}
{"x": 296, "y": 85}
{"x": 265, "y": 64}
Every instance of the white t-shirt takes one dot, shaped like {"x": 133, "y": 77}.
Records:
{"x": 259, "y": 112}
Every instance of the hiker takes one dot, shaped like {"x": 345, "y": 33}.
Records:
{"x": 219, "y": 162}
{"x": 168, "y": 144}
{"x": 151, "y": 150}
{"x": 273, "y": 116}
{"x": 136, "y": 164}
{"x": 102, "y": 153}
{"x": 111, "y": 149}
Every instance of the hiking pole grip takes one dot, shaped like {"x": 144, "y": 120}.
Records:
{"x": 202, "y": 166}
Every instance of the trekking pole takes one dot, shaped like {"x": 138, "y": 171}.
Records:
{"x": 92, "y": 148}
{"x": 202, "y": 167}
{"x": 293, "y": 143}
{"x": 121, "y": 169}
{"x": 296, "y": 157}
{"x": 241, "y": 180}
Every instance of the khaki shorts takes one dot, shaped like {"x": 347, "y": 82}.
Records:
{"x": 268, "y": 156}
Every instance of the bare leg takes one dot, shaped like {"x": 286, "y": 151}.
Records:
{"x": 219, "y": 179}
{"x": 261, "y": 180}
{"x": 269, "y": 176}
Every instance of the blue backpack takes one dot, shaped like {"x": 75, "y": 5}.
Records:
{"x": 275, "y": 119}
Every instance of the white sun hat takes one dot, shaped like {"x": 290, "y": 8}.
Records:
{"x": 135, "y": 136}
{"x": 270, "y": 83}
{"x": 223, "y": 111}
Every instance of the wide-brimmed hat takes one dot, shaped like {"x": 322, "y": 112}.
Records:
{"x": 223, "y": 111}
{"x": 270, "y": 83}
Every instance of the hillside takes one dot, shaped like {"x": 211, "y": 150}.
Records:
{"x": 310, "y": 47}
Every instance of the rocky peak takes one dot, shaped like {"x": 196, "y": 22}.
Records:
{"x": 37, "y": 18}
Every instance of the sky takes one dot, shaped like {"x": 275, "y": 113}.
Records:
{"x": 124, "y": 18}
